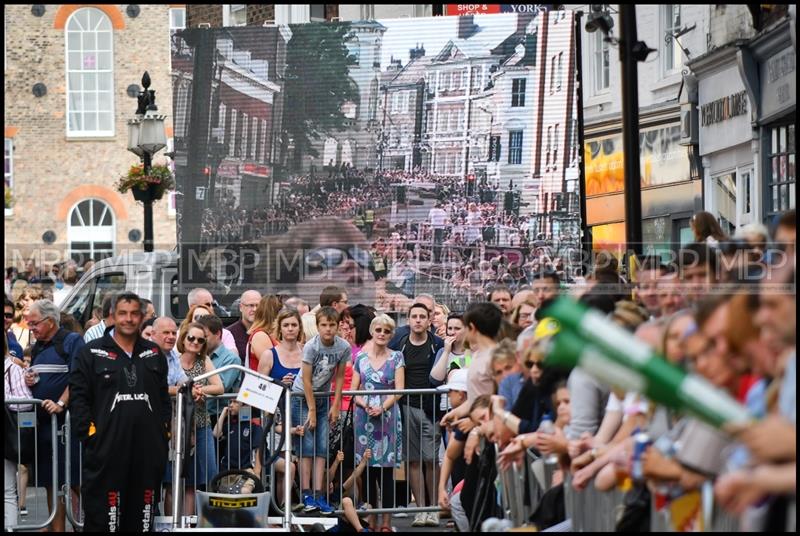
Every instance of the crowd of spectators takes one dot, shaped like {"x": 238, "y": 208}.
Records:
{"x": 725, "y": 312}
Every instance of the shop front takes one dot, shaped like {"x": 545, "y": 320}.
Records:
{"x": 670, "y": 192}
{"x": 726, "y": 140}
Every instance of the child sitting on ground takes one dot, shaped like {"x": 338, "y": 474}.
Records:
{"x": 349, "y": 522}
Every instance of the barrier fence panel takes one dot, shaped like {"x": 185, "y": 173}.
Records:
{"x": 203, "y": 454}
{"x": 26, "y": 413}
{"x": 404, "y": 443}
{"x": 591, "y": 509}
{"x": 69, "y": 444}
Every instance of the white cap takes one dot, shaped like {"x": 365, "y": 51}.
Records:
{"x": 457, "y": 381}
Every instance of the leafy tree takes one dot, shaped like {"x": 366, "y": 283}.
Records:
{"x": 317, "y": 85}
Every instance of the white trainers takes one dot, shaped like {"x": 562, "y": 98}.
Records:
{"x": 432, "y": 519}
{"x": 420, "y": 520}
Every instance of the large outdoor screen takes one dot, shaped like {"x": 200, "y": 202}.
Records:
{"x": 392, "y": 157}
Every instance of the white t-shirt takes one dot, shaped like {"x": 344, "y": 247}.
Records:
{"x": 438, "y": 217}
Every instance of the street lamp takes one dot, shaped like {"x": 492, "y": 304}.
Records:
{"x": 146, "y": 136}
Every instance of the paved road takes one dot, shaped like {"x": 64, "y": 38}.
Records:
{"x": 37, "y": 513}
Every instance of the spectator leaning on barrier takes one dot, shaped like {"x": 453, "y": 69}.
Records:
{"x": 377, "y": 422}
{"x": 247, "y": 307}
{"x": 195, "y": 361}
{"x": 53, "y": 356}
{"x": 419, "y": 411}
{"x": 283, "y": 361}
{"x": 14, "y": 387}
{"x": 482, "y": 323}
{"x": 323, "y": 355}
{"x": 121, "y": 411}
{"x": 510, "y": 386}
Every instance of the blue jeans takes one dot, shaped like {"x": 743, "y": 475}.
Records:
{"x": 314, "y": 443}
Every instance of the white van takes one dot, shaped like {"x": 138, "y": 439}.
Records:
{"x": 150, "y": 275}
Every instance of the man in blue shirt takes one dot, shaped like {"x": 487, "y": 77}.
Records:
{"x": 48, "y": 377}
{"x": 165, "y": 334}
{"x": 221, "y": 356}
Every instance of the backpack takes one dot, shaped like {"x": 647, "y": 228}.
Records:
{"x": 58, "y": 343}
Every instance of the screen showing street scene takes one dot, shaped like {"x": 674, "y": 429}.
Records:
{"x": 391, "y": 157}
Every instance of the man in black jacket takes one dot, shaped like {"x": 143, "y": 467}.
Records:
{"x": 121, "y": 410}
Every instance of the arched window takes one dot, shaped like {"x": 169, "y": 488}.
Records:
{"x": 91, "y": 231}
{"x": 90, "y": 74}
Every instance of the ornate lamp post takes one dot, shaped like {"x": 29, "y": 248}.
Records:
{"x": 147, "y": 136}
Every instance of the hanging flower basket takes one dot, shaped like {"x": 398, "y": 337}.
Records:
{"x": 150, "y": 187}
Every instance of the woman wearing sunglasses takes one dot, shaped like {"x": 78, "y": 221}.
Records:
{"x": 377, "y": 418}
{"x": 535, "y": 398}
{"x": 193, "y": 346}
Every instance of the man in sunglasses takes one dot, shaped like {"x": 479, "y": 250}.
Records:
{"x": 122, "y": 412}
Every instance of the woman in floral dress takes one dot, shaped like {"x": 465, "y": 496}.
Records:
{"x": 377, "y": 424}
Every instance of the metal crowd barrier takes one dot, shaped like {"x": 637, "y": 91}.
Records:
{"x": 28, "y": 419}
{"x": 178, "y": 521}
{"x": 404, "y": 470}
{"x": 592, "y": 510}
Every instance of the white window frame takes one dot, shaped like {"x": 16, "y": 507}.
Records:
{"x": 714, "y": 204}
{"x": 552, "y": 73}
{"x": 173, "y": 11}
{"x": 227, "y": 14}
{"x": 97, "y": 133}
{"x": 666, "y": 18}
{"x": 520, "y": 94}
{"x": 560, "y": 71}
{"x": 514, "y": 150}
{"x": 8, "y": 178}
{"x": 601, "y": 64}
{"x": 745, "y": 187}
{"x": 92, "y": 233}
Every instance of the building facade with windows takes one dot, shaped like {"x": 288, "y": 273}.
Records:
{"x": 72, "y": 73}
{"x": 745, "y": 113}
{"x": 671, "y": 175}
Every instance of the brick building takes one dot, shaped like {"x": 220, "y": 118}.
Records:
{"x": 72, "y": 73}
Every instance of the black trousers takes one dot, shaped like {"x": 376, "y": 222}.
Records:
{"x": 122, "y": 486}
{"x": 376, "y": 478}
